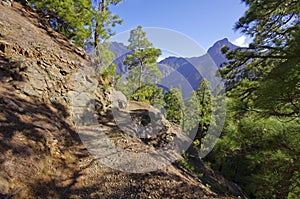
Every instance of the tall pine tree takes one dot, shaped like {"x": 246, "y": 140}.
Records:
{"x": 104, "y": 20}
{"x": 258, "y": 148}
{"x": 77, "y": 20}
{"x": 174, "y": 106}
{"x": 143, "y": 57}
{"x": 69, "y": 17}
{"x": 199, "y": 113}
{"x": 268, "y": 71}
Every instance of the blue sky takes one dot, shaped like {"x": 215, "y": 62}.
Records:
{"x": 205, "y": 21}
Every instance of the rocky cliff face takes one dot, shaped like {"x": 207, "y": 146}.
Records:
{"x": 42, "y": 78}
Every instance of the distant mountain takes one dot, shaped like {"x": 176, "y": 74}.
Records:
{"x": 195, "y": 68}
{"x": 182, "y": 73}
{"x": 119, "y": 49}
{"x": 174, "y": 62}
{"x": 215, "y": 51}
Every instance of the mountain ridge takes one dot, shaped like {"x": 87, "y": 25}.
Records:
{"x": 187, "y": 71}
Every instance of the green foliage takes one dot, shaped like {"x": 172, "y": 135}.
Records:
{"x": 185, "y": 164}
{"x": 199, "y": 112}
{"x": 191, "y": 114}
{"x": 138, "y": 39}
{"x": 207, "y": 186}
{"x": 78, "y": 19}
{"x": 107, "y": 77}
{"x": 143, "y": 57}
{"x": 267, "y": 72}
{"x": 260, "y": 154}
{"x": 109, "y": 71}
{"x": 104, "y": 20}
{"x": 199, "y": 175}
{"x": 150, "y": 94}
{"x": 102, "y": 57}
{"x": 204, "y": 97}
{"x": 143, "y": 71}
{"x": 174, "y": 105}
{"x": 71, "y": 18}
{"x": 106, "y": 85}
{"x": 102, "y": 60}
{"x": 294, "y": 189}
{"x": 259, "y": 148}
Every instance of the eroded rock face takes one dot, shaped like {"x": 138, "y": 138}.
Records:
{"x": 35, "y": 63}
{"x": 37, "y": 70}
{"x": 42, "y": 64}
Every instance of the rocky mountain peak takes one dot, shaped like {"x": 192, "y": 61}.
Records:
{"x": 215, "y": 51}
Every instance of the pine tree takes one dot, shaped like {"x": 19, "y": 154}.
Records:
{"x": 258, "y": 148}
{"x": 143, "y": 57}
{"x": 78, "y": 19}
{"x": 174, "y": 106}
{"x": 104, "y": 20}
{"x": 191, "y": 114}
{"x": 260, "y": 154}
{"x": 201, "y": 116}
{"x": 71, "y": 18}
{"x": 205, "y": 107}
{"x": 268, "y": 71}
{"x": 150, "y": 94}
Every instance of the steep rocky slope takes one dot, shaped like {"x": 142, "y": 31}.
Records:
{"x": 42, "y": 155}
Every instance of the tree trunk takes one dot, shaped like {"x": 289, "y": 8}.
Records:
{"x": 101, "y": 8}
{"x": 202, "y": 114}
{"x": 140, "y": 77}
{"x": 182, "y": 119}
{"x": 96, "y": 36}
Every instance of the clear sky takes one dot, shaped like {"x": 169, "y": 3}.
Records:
{"x": 205, "y": 21}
